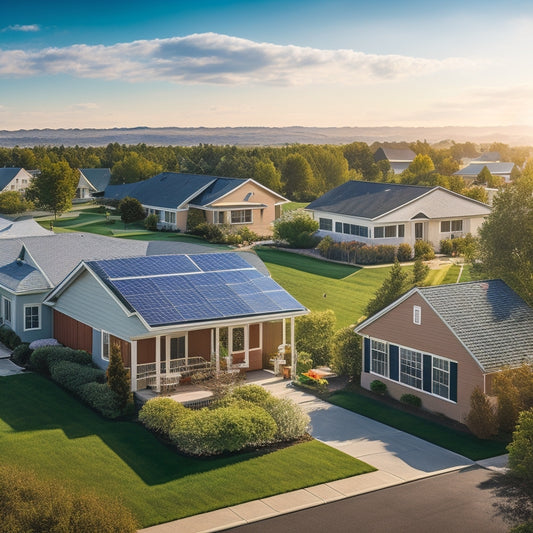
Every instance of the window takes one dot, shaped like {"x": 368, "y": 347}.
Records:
{"x": 401, "y": 230}
{"x": 378, "y": 232}
{"x": 6, "y": 310}
{"x": 106, "y": 345}
{"x": 390, "y": 231}
{"x": 170, "y": 217}
{"x": 325, "y": 224}
{"x": 411, "y": 368}
{"x": 447, "y": 226}
{"x": 221, "y": 217}
{"x": 379, "y": 358}
{"x": 441, "y": 377}
{"x": 32, "y": 317}
{"x": 338, "y": 227}
{"x": 457, "y": 225}
{"x": 177, "y": 347}
{"x": 241, "y": 216}
{"x": 417, "y": 315}
{"x": 238, "y": 339}
{"x": 346, "y": 228}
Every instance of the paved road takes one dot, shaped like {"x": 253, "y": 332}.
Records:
{"x": 460, "y": 501}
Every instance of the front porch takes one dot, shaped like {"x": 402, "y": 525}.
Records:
{"x": 164, "y": 363}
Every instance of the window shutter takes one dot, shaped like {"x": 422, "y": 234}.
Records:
{"x": 367, "y": 355}
{"x": 453, "y": 382}
{"x": 427, "y": 373}
{"x": 394, "y": 362}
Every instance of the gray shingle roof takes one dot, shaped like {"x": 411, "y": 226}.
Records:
{"x": 216, "y": 190}
{"x": 97, "y": 177}
{"x": 25, "y": 227}
{"x": 473, "y": 169}
{"x": 6, "y": 175}
{"x": 489, "y": 318}
{"x": 394, "y": 154}
{"x": 367, "y": 199}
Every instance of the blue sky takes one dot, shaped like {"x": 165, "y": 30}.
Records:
{"x": 265, "y": 63}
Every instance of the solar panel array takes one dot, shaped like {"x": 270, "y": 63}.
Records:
{"x": 173, "y": 289}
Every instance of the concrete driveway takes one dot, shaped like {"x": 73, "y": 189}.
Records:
{"x": 7, "y": 368}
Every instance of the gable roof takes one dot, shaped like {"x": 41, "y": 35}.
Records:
{"x": 97, "y": 177}
{"x": 491, "y": 321}
{"x": 394, "y": 154}
{"x": 6, "y": 175}
{"x": 217, "y": 189}
{"x": 366, "y": 199}
{"x": 180, "y": 289}
{"x": 24, "y": 227}
{"x": 473, "y": 169}
{"x": 487, "y": 156}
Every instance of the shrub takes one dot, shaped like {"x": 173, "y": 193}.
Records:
{"x": 41, "y": 343}
{"x": 404, "y": 252}
{"x": 160, "y": 414}
{"x": 21, "y": 354}
{"x": 424, "y": 250}
{"x": 378, "y": 387}
{"x": 195, "y": 217}
{"x": 101, "y": 398}
{"x": 252, "y": 393}
{"x": 42, "y": 359}
{"x": 304, "y": 362}
{"x": 227, "y": 429}
{"x": 4, "y": 332}
{"x": 521, "y": 448}
{"x": 118, "y": 377}
{"x": 72, "y": 376}
{"x": 12, "y": 339}
{"x": 297, "y": 229}
{"x": 314, "y": 335}
{"x": 150, "y": 222}
{"x": 481, "y": 419}
{"x": 420, "y": 271}
{"x": 292, "y": 423}
{"x": 446, "y": 247}
{"x": 346, "y": 352}
{"x": 411, "y": 399}
{"x": 32, "y": 504}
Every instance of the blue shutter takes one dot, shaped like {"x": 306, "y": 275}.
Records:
{"x": 427, "y": 373}
{"x": 453, "y": 382}
{"x": 394, "y": 362}
{"x": 367, "y": 355}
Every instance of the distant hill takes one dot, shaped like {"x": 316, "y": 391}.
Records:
{"x": 259, "y": 136}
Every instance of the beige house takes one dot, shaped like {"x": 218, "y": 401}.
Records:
{"x": 14, "y": 179}
{"x": 441, "y": 342}
{"x": 237, "y": 202}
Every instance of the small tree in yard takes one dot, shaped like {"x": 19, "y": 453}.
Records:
{"x": 481, "y": 420}
{"x": 521, "y": 448}
{"x": 131, "y": 210}
{"x": 314, "y": 335}
{"x": 346, "y": 353}
{"x": 420, "y": 271}
{"x": 296, "y": 228}
{"x": 118, "y": 378}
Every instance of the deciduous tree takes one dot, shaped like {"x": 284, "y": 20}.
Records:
{"x": 131, "y": 210}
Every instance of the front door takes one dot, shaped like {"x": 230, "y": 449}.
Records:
{"x": 419, "y": 230}
{"x": 176, "y": 348}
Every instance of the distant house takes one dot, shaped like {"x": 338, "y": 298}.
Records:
{"x": 487, "y": 157}
{"x": 472, "y": 170}
{"x": 399, "y": 159}
{"x": 389, "y": 213}
{"x": 440, "y": 342}
{"x": 232, "y": 201}
{"x": 14, "y": 179}
{"x": 92, "y": 182}
{"x": 173, "y": 315}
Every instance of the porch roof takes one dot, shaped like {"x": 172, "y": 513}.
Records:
{"x": 180, "y": 289}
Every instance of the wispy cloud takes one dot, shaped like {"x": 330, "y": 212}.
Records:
{"x": 217, "y": 59}
{"x": 84, "y": 106}
{"x": 22, "y": 27}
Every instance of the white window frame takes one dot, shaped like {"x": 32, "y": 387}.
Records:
{"x": 454, "y": 226}
{"x": 170, "y": 217}
{"x": 417, "y": 315}
{"x": 379, "y": 348}
{"x": 105, "y": 338}
{"x": 411, "y": 368}
{"x": 244, "y": 214}
{"x": 9, "y": 302}
{"x": 30, "y": 306}
{"x": 437, "y": 377}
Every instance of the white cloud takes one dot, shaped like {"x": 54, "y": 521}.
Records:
{"x": 84, "y": 106}
{"x": 22, "y": 27}
{"x": 212, "y": 58}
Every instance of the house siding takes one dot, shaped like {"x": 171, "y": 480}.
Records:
{"x": 431, "y": 337}
{"x": 73, "y": 333}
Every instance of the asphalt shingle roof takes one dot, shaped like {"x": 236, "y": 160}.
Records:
{"x": 217, "y": 189}
{"x": 6, "y": 175}
{"x": 473, "y": 169}
{"x": 489, "y": 318}
{"x": 394, "y": 154}
{"x": 98, "y": 177}
{"x": 367, "y": 199}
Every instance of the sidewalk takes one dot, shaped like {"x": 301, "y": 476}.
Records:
{"x": 399, "y": 457}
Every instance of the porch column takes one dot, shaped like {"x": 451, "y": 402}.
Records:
{"x": 158, "y": 363}
{"x": 230, "y": 348}
{"x": 284, "y": 333}
{"x": 217, "y": 349}
{"x": 247, "y": 345}
{"x": 294, "y": 355}
{"x": 133, "y": 366}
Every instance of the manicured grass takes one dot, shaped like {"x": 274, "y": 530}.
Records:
{"x": 45, "y": 430}
{"x": 452, "y": 274}
{"x": 457, "y": 441}
{"x": 437, "y": 276}
{"x": 291, "y": 206}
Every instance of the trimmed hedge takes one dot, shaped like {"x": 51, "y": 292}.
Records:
{"x": 101, "y": 398}
{"x": 292, "y": 423}
{"x": 378, "y": 387}
{"x": 42, "y": 359}
{"x": 160, "y": 414}
{"x": 21, "y": 354}
{"x": 73, "y": 375}
{"x": 9, "y": 337}
{"x": 411, "y": 399}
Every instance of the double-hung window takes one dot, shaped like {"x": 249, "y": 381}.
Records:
{"x": 379, "y": 357}
{"x": 106, "y": 345}
{"x": 6, "y": 310}
{"x": 32, "y": 317}
{"x": 441, "y": 377}
{"x": 411, "y": 368}
{"x": 241, "y": 216}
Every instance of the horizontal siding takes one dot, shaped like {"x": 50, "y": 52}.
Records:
{"x": 87, "y": 301}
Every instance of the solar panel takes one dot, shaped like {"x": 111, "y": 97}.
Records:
{"x": 147, "y": 266}
{"x": 224, "y": 261}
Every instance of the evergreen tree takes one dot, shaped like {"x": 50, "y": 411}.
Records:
{"x": 394, "y": 285}
{"x": 118, "y": 378}
{"x": 420, "y": 271}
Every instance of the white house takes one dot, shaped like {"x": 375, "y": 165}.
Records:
{"x": 14, "y": 179}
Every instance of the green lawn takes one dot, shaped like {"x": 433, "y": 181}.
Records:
{"x": 457, "y": 441}
{"x": 291, "y": 206}
{"x": 44, "y": 429}
{"x": 321, "y": 285}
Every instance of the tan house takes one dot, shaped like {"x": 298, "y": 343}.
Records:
{"x": 237, "y": 202}
{"x": 174, "y": 315}
{"x": 14, "y": 179}
{"x": 440, "y": 342}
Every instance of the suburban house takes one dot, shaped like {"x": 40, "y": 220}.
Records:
{"x": 472, "y": 170}
{"x": 399, "y": 159}
{"x": 390, "y": 213}
{"x": 14, "y": 179}
{"x": 238, "y": 202}
{"x": 92, "y": 182}
{"x": 173, "y": 315}
{"x": 440, "y": 342}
